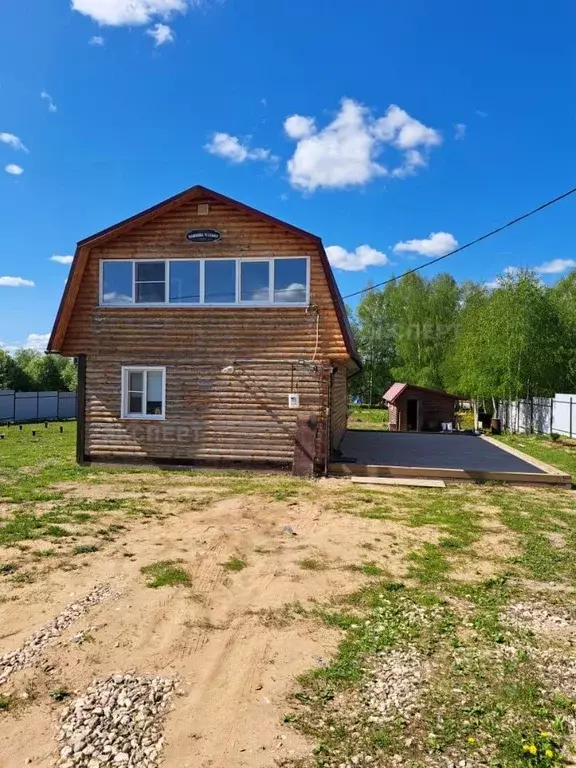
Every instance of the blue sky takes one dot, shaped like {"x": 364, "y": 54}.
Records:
{"x": 373, "y": 124}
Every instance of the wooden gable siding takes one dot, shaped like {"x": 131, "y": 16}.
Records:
{"x": 210, "y": 415}
{"x": 240, "y": 331}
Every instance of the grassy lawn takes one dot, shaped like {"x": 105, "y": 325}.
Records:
{"x": 457, "y": 661}
{"x": 363, "y": 417}
{"x": 457, "y": 648}
{"x": 561, "y": 453}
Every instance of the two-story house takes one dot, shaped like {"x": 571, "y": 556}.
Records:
{"x": 206, "y": 331}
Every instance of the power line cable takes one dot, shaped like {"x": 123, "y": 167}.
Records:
{"x": 467, "y": 245}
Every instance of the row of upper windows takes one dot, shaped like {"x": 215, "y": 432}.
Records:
{"x": 206, "y": 281}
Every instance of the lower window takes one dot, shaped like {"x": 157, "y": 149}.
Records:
{"x": 143, "y": 392}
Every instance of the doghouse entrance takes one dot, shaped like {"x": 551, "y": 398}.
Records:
{"x": 412, "y": 415}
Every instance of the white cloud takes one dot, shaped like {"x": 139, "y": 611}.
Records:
{"x": 161, "y": 33}
{"x": 12, "y": 141}
{"x": 437, "y": 244}
{"x": 62, "y": 259}
{"x": 298, "y": 126}
{"x": 295, "y": 292}
{"x": 231, "y": 148}
{"x": 51, "y": 106}
{"x": 413, "y": 159}
{"x": 96, "y": 40}
{"x": 117, "y": 298}
{"x": 14, "y": 170}
{"x": 345, "y": 152}
{"x": 481, "y": 113}
{"x": 118, "y": 13}
{"x": 403, "y": 131}
{"x": 15, "y": 282}
{"x": 355, "y": 261}
{"x": 555, "y": 267}
{"x": 36, "y": 341}
{"x": 459, "y": 131}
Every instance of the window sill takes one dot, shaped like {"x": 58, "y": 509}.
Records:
{"x": 148, "y": 417}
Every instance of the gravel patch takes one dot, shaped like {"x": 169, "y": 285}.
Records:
{"x": 118, "y": 722}
{"x": 394, "y": 685}
{"x": 31, "y": 650}
{"x": 537, "y": 617}
{"x": 558, "y": 672}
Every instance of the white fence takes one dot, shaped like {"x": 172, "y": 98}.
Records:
{"x": 543, "y": 415}
{"x": 17, "y": 407}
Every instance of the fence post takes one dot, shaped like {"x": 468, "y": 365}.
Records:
{"x": 37, "y": 405}
{"x": 532, "y": 415}
{"x": 551, "y": 416}
{"x": 58, "y": 406}
{"x": 570, "y": 418}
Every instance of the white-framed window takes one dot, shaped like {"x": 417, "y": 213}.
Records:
{"x": 217, "y": 282}
{"x": 143, "y": 392}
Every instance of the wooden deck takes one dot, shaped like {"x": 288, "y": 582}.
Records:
{"x": 463, "y": 458}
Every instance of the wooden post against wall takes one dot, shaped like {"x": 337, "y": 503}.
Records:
{"x": 81, "y": 410}
{"x": 304, "y": 443}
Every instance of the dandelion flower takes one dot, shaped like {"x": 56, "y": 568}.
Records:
{"x": 549, "y": 753}
{"x": 532, "y": 749}
{"x": 471, "y": 740}
{"x": 545, "y": 734}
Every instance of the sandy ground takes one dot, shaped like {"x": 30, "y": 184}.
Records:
{"x": 227, "y": 638}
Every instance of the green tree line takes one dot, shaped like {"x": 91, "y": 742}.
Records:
{"x": 505, "y": 342}
{"x": 29, "y": 371}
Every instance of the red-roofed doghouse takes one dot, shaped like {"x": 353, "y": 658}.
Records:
{"x": 419, "y": 409}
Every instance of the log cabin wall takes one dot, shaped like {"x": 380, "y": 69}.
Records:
{"x": 393, "y": 418}
{"x": 339, "y": 407}
{"x": 209, "y": 415}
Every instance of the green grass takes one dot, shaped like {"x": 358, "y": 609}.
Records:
{"x": 363, "y": 417}
{"x": 311, "y": 564}
{"x": 368, "y": 569}
{"x": 60, "y": 694}
{"x": 561, "y": 456}
{"x": 486, "y": 699}
{"x": 45, "y": 553}
{"x": 234, "y": 564}
{"x": 6, "y": 568}
{"x": 450, "y": 512}
{"x": 533, "y": 519}
{"x": 429, "y": 564}
{"x": 166, "y": 573}
{"x": 84, "y": 549}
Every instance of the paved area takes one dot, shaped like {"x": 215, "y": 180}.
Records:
{"x": 433, "y": 451}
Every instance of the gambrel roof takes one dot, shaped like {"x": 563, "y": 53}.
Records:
{"x": 83, "y": 250}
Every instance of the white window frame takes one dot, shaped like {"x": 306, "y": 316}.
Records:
{"x": 151, "y": 282}
{"x": 238, "y": 303}
{"x": 125, "y": 392}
